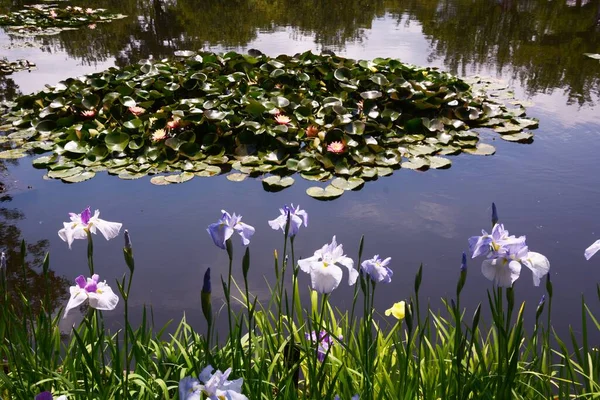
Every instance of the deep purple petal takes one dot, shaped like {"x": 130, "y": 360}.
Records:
{"x": 81, "y": 281}
{"x": 44, "y": 396}
{"x": 86, "y": 215}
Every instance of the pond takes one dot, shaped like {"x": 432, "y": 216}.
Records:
{"x": 548, "y": 190}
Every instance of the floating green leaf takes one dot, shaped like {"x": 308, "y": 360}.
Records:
{"x": 276, "y": 183}
{"x": 327, "y": 193}
{"x": 482, "y": 149}
{"x": 352, "y": 183}
{"x": 237, "y": 177}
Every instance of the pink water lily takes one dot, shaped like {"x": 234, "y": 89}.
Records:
{"x": 88, "y": 113}
{"x": 282, "y": 119}
{"x": 336, "y": 147}
{"x": 83, "y": 223}
{"x": 135, "y": 110}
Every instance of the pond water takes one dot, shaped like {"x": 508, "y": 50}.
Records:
{"x": 548, "y": 190}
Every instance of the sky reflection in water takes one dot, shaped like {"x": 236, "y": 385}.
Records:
{"x": 548, "y": 191}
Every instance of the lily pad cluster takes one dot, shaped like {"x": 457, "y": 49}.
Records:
{"x": 48, "y": 19}
{"x": 8, "y": 67}
{"x": 202, "y": 114}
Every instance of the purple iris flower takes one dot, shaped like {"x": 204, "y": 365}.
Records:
{"x": 297, "y": 217}
{"x": 222, "y": 230}
{"x": 493, "y": 244}
{"x": 378, "y": 269}
{"x": 48, "y": 396}
{"x": 323, "y": 342}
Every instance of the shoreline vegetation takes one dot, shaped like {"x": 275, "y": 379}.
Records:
{"x": 282, "y": 350}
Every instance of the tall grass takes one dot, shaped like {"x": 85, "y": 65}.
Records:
{"x": 452, "y": 354}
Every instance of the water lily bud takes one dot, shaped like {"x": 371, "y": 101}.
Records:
{"x": 3, "y": 261}
{"x": 494, "y": 214}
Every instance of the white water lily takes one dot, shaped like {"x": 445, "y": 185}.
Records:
{"x": 506, "y": 269}
{"x": 325, "y": 275}
{"x": 99, "y": 295}
{"x": 593, "y": 249}
{"x": 82, "y": 223}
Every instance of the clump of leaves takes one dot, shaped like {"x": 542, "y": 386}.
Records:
{"x": 8, "y": 67}
{"x": 202, "y": 114}
{"x": 48, "y": 19}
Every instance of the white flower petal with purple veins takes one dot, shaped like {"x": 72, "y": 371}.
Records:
{"x": 222, "y": 230}
{"x": 104, "y": 298}
{"x": 593, "y": 249}
{"x": 493, "y": 245}
{"x": 211, "y": 386}
{"x": 189, "y": 389}
{"x": 377, "y": 269}
{"x": 324, "y": 273}
{"x": 99, "y": 295}
{"x": 538, "y": 264}
{"x": 297, "y": 217}
{"x": 325, "y": 278}
{"x": 82, "y": 223}
{"x": 502, "y": 272}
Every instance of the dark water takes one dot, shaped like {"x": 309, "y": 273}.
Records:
{"x": 549, "y": 190}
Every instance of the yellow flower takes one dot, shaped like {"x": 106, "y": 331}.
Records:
{"x": 397, "y": 310}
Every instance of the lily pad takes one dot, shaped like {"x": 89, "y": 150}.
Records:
{"x": 84, "y": 176}
{"x": 482, "y": 149}
{"x": 352, "y": 183}
{"x": 179, "y": 178}
{"x": 237, "y": 177}
{"x": 276, "y": 183}
{"x": 437, "y": 162}
{"x": 327, "y": 193}
{"x": 521, "y": 137}
{"x": 159, "y": 180}
{"x": 12, "y": 154}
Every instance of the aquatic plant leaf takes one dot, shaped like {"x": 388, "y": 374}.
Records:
{"x": 275, "y": 183}
{"x": 237, "y": 177}
{"x": 164, "y": 116}
{"x": 521, "y": 137}
{"x": 12, "y": 154}
{"x": 352, "y": 183}
{"x": 482, "y": 149}
{"x": 83, "y": 176}
{"x": 437, "y": 162}
{"x": 327, "y": 193}
{"x": 179, "y": 178}
{"x": 159, "y": 180}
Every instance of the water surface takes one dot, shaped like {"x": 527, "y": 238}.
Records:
{"x": 549, "y": 190}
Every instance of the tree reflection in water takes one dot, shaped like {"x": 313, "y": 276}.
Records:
{"x": 539, "y": 42}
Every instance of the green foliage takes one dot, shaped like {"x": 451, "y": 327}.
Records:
{"x": 44, "y": 19}
{"x": 202, "y": 113}
{"x": 428, "y": 355}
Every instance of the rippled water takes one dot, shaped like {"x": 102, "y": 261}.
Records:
{"x": 549, "y": 190}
